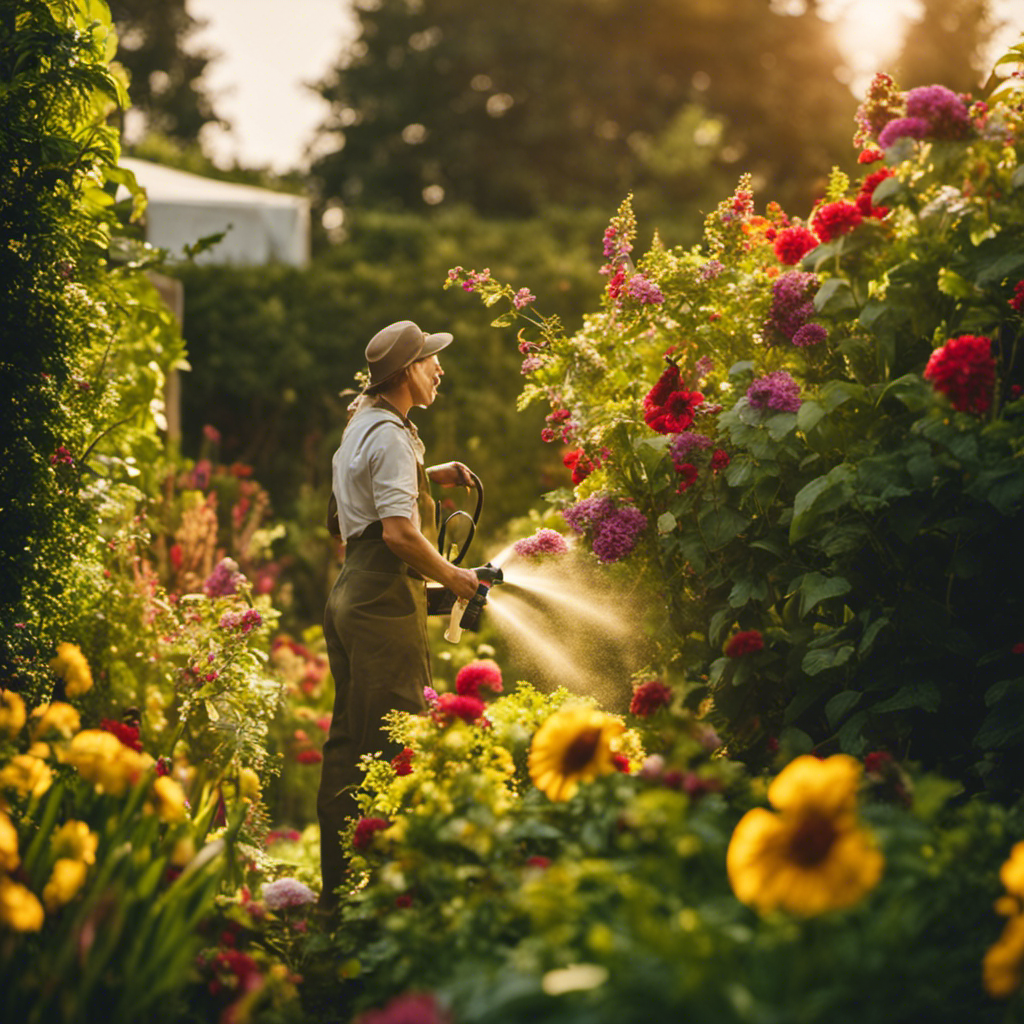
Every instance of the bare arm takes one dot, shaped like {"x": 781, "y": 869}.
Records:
{"x": 404, "y": 540}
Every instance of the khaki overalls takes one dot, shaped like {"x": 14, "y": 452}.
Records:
{"x": 375, "y": 625}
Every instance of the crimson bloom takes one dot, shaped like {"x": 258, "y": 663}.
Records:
{"x": 450, "y": 706}
{"x": 127, "y": 734}
{"x": 964, "y": 371}
{"x": 749, "y": 641}
{"x": 366, "y": 830}
{"x": 835, "y": 219}
{"x": 650, "y": 697}
{"x": 402, "y": 762}
{"x": 793, "y": 243}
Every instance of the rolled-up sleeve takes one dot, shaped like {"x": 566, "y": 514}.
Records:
{"x": 393, "y": 477}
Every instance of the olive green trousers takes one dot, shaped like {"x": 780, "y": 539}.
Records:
{"x": 375, "y": 626}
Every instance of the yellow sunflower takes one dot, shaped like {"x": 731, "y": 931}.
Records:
{"x": 573, "y": 745}
{"x": 812, "y": 856}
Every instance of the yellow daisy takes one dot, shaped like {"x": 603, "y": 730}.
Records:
{"x": 812, "y": 856}
{"x": 573, "y": 745}
{"x": 76, "y": 840}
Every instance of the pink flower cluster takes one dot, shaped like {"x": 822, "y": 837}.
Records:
{"x": 472, "y": 278}
{"x": 224, "y": 580}
{"x": 522, "y": 298}
{"x": 244, "y": 622}
{"x": 484, "y": 672}
{"x": 402, "y": 761}
{"x": 645, "y": 292}
{"x": 964, "y": 371}
{"x": 286, "y": 892}
{"x": 1017, "y": 302}
{"x": 614, "y": 530}
{"x": 543, "y": 542}
{"x": 450, "y": 706}
{"x": 410, "y": 1008}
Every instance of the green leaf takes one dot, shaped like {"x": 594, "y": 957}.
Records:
{"x": 867, "y": 640}
{"x": 952, "y": 284}
{"x": 834, "y": 296}
{"x": 808, "y": 416}
{"x": 822, "y": 495}
{"x": 914, "y": 695}
{"x": 841, "y": 705}
{"x": 719, "y": 621}
{"x": 815, "y": 588}
{"x": 505, "y": 320}
{"x": 825, "y": 658}
{"x": 781, "y": 424}
{"x": 748, "y": 589}
{"x": 719, "y": 526}
{"x": 666, "y": 522}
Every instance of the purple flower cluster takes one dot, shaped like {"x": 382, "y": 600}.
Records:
{"x": 903, "y": 128}
{"x": 614, "y": 529}
{"x": 224, "y": 580}
{"x": 792, "y": 308}
{"x": 244, "y": 622}
{"x": 710, "y": 270}
{"x": 543, "y": 542}
{"x": 287, "y": 892}
{"x": 643, "y": 291}
{"x": 683, "y": 445}
{"x": 945, "y": 112}
{"x": 616, "y": 536}
{"x": 775, "y": 392}
{"x": 586, "y": 514}
{"x": 810, "y": 334}
{"x": 616, "y": 245}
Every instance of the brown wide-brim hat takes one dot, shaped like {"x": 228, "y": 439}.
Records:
{"x": 399, "y": 345}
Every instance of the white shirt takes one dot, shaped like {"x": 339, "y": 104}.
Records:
{"x": 374, "y": 470}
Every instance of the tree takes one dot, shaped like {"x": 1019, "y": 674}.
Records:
{"x": 508, "y": 107}
{"x": 947, "y": 44}
{"x": 165, "y": 72}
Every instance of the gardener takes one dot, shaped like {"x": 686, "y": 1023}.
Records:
{"x": 375, "y": 623}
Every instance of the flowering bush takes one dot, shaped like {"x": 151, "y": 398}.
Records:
{"x": 814, "y": 438}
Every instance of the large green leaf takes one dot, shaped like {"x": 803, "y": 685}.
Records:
{"x": 719, "y": 526}
{"x": 816, "y": 587}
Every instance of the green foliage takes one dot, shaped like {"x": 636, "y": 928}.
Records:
{"x": 867, "y": 530}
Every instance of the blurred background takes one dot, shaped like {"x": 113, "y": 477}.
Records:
{"x": 429, "y": 133}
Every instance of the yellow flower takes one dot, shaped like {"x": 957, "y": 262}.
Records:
{"x": 1012, "y": 872}
{"x": 9, "y": 859}
{"x": 169, "y": 802}
{"x": 101, "y": 758}
{"x": 20, "y": 910}
{"x": 1004, "y": 962}
{"x": 249, "y": 784}
{"x": 75, "y": 840}
{"x": 56, "y": 717}
{"x": 12, "y": 712}
{"x": 812, "y": 856}
{"x": 71, "y": 666}
{"x": 67, "y": 878}
{"x": 27, "y": 774}
{"x": 573, "y": 745}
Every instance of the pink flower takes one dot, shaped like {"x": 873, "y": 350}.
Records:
{"x": 287, "y": 892}
{"x": 749, "y": 641}
{"x": 309, "y": 756}
{"x": 62, "y": 457}
{"x": 531, "y": 363}
{"x": 483, "y": 672}
{"x": 543, "y": 542}
{"x": 523, "y": 298}
{"x": 451, "y": 706}
{"x": 643, "y": 291}
{"x": 411, "y": 1008}
{"x": 774, "y": 392}
{"x": 964, "y": 371}
{"x": 430, "y": 695}
{"x": 366, "y": 829}
{"x": 650, "y": 697}
{"x": 903, "y": 128}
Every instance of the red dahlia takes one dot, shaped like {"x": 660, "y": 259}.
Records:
{"x": 965, "y": 372}
{"x": 749, "y": 641}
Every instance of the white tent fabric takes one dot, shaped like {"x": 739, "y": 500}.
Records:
{"x": 262, "y": 226}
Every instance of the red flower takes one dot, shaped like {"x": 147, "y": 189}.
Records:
{"x": 615, "y": 284}
{"x": 1017, "y": 302}
{"x": 127, "y": 734}
{"x": 1017, "y": 648}
{"x": 538, "y": 862}
{"x": 403, "y": 901}
{"x": 720, "y": 458}
{"x": 876, "y": 761}
{"x": 749, "y": 641}
{"x": 621, "y": 763}
{"x": 687, "y": 476}
{"x": 482, "y": 672}
{"x": 402, "y": 763}
{"x": 665, "y": 385}
{"x": 650, "y": 697}
{"x": 451, "y": 706}
{"x": 793, "y": 244}
{"x": 964, "y": 371}
{"x": 580, "y": 464}
{"x": 366, "y": 830}
{"x": 411, "y": 1008}
{"x": 871, "y": 156}
{"x": 867, "y": 190}
{"x": 676, "y": 413}
{"x": 835, "y": 219}
{"x": 309, "y": 756}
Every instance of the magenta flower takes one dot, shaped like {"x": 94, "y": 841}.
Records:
{"x": 523, "y": 298}
{"x": 224, "y": 580}
{"x": 286, "y": 892}
{"x": 643, "y": 291}
{"x": 482, "y": 672}
{"x": 543, "y": 542}
{"x": 903, "y": 128}
{"x": 616, "y": 536}
{"x": 775, "y": 392}
{"x": 946, "y": 114}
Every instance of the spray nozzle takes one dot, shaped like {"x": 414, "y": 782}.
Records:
{"x": 466, "y": 614}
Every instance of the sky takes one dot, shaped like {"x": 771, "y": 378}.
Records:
{"x": 266, "y": 60}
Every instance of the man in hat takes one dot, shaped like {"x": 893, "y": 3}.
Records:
{"x": 375, "y": 623}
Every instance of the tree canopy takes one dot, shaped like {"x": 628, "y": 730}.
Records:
{"x": 508, "y": 107}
